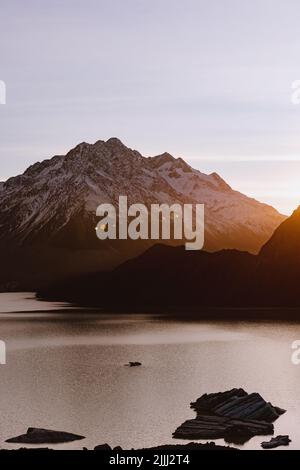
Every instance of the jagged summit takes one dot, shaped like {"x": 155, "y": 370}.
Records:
{"x": 167, "y": 160}
{"x": 115, "y": 142}
{"x": 164, "y": 157}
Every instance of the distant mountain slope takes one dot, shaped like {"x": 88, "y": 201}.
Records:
{"x": 171, "y": 279}
{"x": 163, "y": 278}
{"x": 284, "y": 246}
{"x": 47, "y": 214}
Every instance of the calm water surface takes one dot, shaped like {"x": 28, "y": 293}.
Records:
{"x": 65, "y": 370}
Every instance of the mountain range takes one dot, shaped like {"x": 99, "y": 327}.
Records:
{"x": 48, "y": 213}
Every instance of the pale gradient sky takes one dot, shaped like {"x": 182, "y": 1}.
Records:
{"x": 206, "y": 80}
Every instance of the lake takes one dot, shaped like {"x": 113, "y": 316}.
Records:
{"x": 65, "y": 371}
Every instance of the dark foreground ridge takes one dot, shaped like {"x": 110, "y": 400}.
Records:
{"x": 191, "y": 446}
{"x": 172, "y": 280}
{"x": 169, "y": 447}
{"x": 235, "y": 416}
{"x": 44, "y": 436}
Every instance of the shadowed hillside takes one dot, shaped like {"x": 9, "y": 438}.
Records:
{"x": 173, "y": 279}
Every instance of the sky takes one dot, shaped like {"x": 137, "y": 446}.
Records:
{"x": 209, "y": 81}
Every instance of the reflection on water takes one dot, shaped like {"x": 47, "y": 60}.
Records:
{"x": 65, "y": 370}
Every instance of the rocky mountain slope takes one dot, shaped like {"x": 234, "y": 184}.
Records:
{"x": 47, "y": 214}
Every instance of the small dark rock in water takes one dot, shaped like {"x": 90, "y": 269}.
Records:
{"x": 133, "y": 364}
{"x": 276, "y": 442}
{"x": 44, "y": 436}
{"x": 234, "y": 415}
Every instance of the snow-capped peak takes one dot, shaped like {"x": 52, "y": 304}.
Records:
{"x": 49, "y": 195}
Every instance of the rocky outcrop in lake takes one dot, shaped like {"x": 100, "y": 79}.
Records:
{"x": 235, "y": 416}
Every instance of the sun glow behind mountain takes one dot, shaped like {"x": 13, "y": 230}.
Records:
{"x": 275, "y": 182}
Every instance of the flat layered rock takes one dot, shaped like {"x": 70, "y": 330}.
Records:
{"x": 276, "y": 442}
{"x": 237, "y": 403}
{"x": 44, "y": 436}
{"x": 231, "y": 430}
{"x": 235, "y": 416}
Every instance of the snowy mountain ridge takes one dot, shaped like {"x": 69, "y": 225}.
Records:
{"x": 94, "y": 173}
